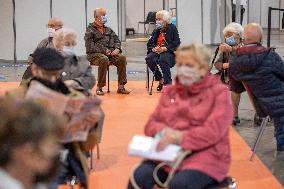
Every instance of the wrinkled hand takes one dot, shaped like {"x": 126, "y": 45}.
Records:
{"x": 225, "y": 65}
{"x": 162, "y": 49}
{"x": 108, "y": 52}
{"x": 225, "y": 48}
{"x": 115, "y": 52}
{"x": 155, "y": 50}
{"x": 169, "y": 136}
{"x": 69, "y": 83}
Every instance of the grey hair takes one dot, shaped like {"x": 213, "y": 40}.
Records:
{"x": 65, "y": 37}
{"x": 166, "y": 15}
{"x": 234, "y": 28}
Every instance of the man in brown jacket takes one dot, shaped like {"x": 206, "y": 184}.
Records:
{"x": 103, "y": 48}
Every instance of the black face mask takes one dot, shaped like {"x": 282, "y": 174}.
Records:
{"x": 50, "y": 174}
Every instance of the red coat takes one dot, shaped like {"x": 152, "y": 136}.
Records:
{"x": 203, "y": 112}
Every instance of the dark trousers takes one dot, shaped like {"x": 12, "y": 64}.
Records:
{"x": 166, "y": 61}
{"x": 188, "y": 179}
{"x": 279, "y": 132}
{"x": 103, "y": 61}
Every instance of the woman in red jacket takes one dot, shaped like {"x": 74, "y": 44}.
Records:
{"x": 196, "y": 114}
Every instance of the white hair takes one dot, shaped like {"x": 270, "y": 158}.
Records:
{"x": 234, "y": 28}
{"x": 166, "y": 15}
{"x": 65, "y": 37}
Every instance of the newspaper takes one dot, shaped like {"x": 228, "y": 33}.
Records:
{"x": 82, "y": 113}
{"x": 143, "y": 146}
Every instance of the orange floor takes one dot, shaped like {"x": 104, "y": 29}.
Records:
{"x": 126, "y": 116}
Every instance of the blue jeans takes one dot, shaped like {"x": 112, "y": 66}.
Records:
{"x": 279, "y": 132}
{"x": 188, "y": 179}
{"x": 166, "y": 61}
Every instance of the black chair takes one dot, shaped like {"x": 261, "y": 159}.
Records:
{"x": 259, "y": 112}
{"x": 150, "y": 19}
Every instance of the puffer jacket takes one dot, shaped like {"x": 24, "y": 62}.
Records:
{"x": 97, "y": 42}
{"x": 203, "y": 113}
{"x": 262, "y": 70}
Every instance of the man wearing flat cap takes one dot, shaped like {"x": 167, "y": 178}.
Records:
{"x": 47, "y": 69}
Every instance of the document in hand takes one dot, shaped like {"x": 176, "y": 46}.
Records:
{"x": 145, "y": 147}
{"x": 83, "y": 113}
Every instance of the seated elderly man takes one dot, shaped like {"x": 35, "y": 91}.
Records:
{"x": 53, "y": 25}
{"x": 46, "y": 69}
{"x": 161, "y": 46}
{"x": 103, "y": 48}
{"x": 75, "y": 74}
{"x": 262, "y": 69}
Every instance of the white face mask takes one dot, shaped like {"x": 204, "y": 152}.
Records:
{"x": 50, "y": 32}
{"x": 187, "y": 75}
{"x": 68, "y": 50}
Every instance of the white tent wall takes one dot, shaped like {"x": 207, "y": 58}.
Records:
{"x": 213, "y": 20}
{"x": 135, "y": 12}
{"x": 258, "y": 12}
{"x": 6, "y": 30}
{"x": 72, "y": 14}
{"x": 189, "y": 20}
{"x": 31, "y": 20}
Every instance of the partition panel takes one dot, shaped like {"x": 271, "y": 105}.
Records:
{"x": 31, "y": 20}
{"x": 189, "y": 21}
{"x": 72, "y": 13}
{"x": 6, "y": 30}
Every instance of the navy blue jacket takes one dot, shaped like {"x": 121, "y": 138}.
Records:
{"x": 262, "y": 69}
{"x": 172, "y": 39}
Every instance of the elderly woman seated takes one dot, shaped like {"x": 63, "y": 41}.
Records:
{"x": 196, "y": 114}
{"x": 161, "y": 46}
{"x": 75, "y": 74}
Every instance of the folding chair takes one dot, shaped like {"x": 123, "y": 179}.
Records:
{"x": 264, "y": 122}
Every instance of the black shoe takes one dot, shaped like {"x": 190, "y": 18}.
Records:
{"x": 236, "y": 121}
{"x": 257, "y": 120}
{"x": 100, "y": 92}
{"x": 160, "y": 87}
{"x": 122, "y": 91}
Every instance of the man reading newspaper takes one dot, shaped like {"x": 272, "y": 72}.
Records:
{"x": 83, "y": 115}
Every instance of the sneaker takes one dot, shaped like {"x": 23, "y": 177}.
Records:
{"x": 160, "y": 87}
{"x": 122, "y": 91}
{"x": 100, "y": 92}
{"x": 236, "y": 121}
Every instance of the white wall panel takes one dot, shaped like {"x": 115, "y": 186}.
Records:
{"x": 72, "y": 13}
{"x": 6, "y": 30}
{"x": 213, "y": 21}
{"x": 31, "y": 18}
{"x": 264, "y": 13}
{"x": 189, "y": 20}
{"x": 135, "y": 12}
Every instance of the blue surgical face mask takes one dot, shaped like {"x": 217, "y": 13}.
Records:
{"x": 231, "y": 41}
{"x": 159, "y": 24}
{"x": 68, "y": 50}
{"x": 104, "y": 19}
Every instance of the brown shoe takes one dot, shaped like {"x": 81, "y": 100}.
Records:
{"x": 100, "y": 92}
{"x": 122, "y": 91}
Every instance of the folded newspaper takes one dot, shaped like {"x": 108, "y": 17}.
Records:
{"x": 143, "y": 146}
{"x": 82, "y": 113}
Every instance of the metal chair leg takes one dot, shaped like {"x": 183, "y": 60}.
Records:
{"x": 151, "y": 89}
{"x": 108, "y": 80}
{"x": 91, "y": 157}
{"x": 259, "y": 136}
{"x": 147, "y": 77}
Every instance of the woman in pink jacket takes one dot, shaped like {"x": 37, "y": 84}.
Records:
{"x": 196, "y": 114}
